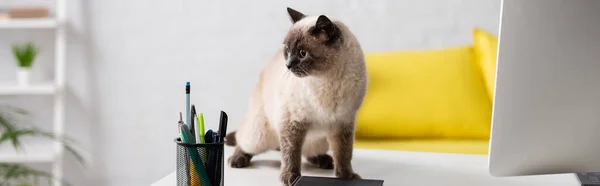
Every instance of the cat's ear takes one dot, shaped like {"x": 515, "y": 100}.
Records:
{"x": 326, "y": 29}
{"x": 323, "y": 23}
{"x": 295, "y": 16}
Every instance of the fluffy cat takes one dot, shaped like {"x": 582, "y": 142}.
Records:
{"x": 306, "y": 100}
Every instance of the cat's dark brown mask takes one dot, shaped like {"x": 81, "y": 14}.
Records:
{"x": 311, "y": 47}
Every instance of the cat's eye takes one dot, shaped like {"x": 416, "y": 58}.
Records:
{"x": 303, "y": 53}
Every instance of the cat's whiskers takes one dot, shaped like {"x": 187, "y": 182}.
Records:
{"x": 301, "y": 68}
{"x": 305, "y": 72}
{"x": 285, "y": 74}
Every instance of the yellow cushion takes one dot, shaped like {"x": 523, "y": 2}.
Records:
{"x": 434, "y": 93}
{"x": 486, "y": 45}
{"x": 478, "y": 147}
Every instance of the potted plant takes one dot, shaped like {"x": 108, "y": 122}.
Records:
{"x": 18, "y": 174}
{"x": 25, "y": 55}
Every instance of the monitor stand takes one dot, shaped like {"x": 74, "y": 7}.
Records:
{"x": 589, "y": 178}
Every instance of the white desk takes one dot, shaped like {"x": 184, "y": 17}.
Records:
{"x": 396, "y": 168}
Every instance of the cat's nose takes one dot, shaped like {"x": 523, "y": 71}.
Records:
{"x": 290, "y": 63}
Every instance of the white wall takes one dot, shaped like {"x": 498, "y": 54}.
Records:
{"x": 129, "y": 60}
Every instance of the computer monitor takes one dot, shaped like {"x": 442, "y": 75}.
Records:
{"x": 546, "y": 111}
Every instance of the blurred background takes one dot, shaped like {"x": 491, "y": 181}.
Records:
{"x": 126, "y": 64}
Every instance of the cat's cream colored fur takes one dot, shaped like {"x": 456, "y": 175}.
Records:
{"x": 305, "y": 115}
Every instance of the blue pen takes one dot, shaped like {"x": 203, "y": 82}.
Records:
{"x": 207, "y": 140}
{"x": 207, "y": 136}
{"x": 210, "y": 164}
{"x": 214, "y": 170}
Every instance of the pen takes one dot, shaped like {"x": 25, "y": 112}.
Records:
{"x": 208, "y": 137}
{"x": 200, "y": 127}
{"x": 222, "y": 133}
{"x": 187, "y": 102}
{"x": 222, "y": 126}
{"x": 200, "y": 133}
{"x": 212, "y": 163}
{"x": 192, "y": 124}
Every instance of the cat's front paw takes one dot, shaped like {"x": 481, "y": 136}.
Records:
{"x": 323, "y": 161}
{"x": 288, "y": 178}
{"x": 239, "y": 161}
{"x": 346, "y": 174}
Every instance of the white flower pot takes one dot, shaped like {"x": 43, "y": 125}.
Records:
{"x": 23, "y": 76}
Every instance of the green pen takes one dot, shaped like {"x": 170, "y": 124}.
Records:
{"x": 200, "y": 132}
{"x": 200, "y": 127}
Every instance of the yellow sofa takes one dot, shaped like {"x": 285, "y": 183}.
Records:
{"x": 436, "y": 100}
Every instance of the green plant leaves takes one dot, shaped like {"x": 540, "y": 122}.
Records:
{"x": 12, "y": 174}
{"x": 25, "y": 54}
{"x": 21, "y": 175}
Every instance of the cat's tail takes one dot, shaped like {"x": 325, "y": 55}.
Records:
{"x": 230, "y": 139}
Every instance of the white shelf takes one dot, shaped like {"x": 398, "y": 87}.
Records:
{"x": 41, "y": 89}
{"x": 30, "y": 152}
{"x": 51, "y": 152}
{"x": 28, "y": 23}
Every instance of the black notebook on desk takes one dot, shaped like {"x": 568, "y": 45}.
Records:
{"x": 324, "y": 181}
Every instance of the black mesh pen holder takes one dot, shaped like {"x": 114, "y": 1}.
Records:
{"x": 204, "y": 168}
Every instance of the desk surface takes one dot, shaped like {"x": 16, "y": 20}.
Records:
{"x": 394, "y": 167}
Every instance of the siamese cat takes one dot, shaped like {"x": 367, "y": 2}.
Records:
{"x": 306, "y": 100}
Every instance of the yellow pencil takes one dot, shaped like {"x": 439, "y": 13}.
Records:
{"x": 195, "y": 180}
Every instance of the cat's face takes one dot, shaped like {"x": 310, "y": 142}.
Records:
{"x": 311, "y": 45}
